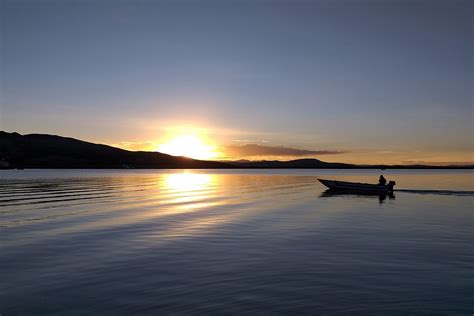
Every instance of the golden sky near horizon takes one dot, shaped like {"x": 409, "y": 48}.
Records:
{"x": 203, "y": 143}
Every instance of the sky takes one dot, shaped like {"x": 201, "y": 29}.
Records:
{"x": 378, "y": 81}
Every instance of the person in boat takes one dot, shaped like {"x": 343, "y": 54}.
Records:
{"x": 382, "y": 180}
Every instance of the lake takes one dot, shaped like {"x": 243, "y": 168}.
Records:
{"x": 234, "y": 241}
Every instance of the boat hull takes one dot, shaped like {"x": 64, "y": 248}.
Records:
{"x": 354, "y": 186}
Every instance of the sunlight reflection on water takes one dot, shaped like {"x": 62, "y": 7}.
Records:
{"x": 232, "y": 242}
{"x": 186, "y": 182}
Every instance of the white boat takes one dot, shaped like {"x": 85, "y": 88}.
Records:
{"x": 4, "y": 164}
{"x": 355, "y": 186}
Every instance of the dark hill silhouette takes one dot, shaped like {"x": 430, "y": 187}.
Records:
{"x": 299, "y": 163}
{"x": 318, "y": 164}
{"x": 51, "y": 151}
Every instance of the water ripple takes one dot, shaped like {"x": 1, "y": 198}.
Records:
{"x": 209, "y": 243}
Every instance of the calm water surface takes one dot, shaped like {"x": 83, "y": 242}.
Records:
{"x": 231, "y": 242}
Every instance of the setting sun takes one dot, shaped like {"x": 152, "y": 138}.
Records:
{"x": 189, "y": 146}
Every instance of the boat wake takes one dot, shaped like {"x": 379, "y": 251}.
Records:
{"x": 438, "y": 192}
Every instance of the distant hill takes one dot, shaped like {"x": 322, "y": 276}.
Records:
{"x": 51, "y": 151}
{"x": 318, "y": 164}
{"x": 299, "y": 163}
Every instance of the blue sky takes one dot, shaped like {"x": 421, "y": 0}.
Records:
{"x": 373, "y": 79}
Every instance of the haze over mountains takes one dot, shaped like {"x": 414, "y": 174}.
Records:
{"x": 51, "y": 151}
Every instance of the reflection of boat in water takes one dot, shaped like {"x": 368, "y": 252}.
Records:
{"x": 358, "y": 187}
{"x": 381, "y": 195}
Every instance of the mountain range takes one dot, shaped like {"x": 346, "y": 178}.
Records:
{"x": 51, "y": 151}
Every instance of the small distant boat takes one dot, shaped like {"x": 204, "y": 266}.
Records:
{"x": 355, "y": 186}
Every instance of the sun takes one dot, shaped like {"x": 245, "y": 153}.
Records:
{"x": 190, "y": 146}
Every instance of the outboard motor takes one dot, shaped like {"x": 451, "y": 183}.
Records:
{"x": 390, "y": 185}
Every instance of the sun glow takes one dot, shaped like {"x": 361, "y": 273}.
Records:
{"x": 190, "y": 146}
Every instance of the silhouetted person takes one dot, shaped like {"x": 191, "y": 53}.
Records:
{"x": 382, "y": 180}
